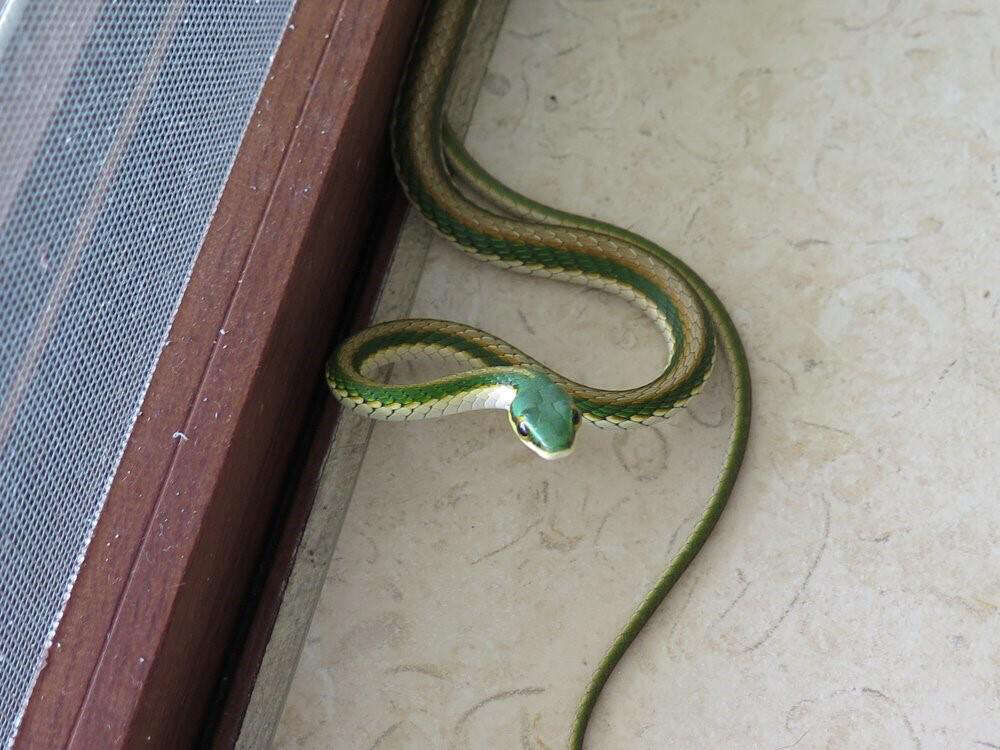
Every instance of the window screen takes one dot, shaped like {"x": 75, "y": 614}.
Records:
{"x": 119, "y": 121}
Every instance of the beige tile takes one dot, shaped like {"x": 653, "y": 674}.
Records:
{"x": 832, "y": 170}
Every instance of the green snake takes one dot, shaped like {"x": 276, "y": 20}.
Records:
{"x": 496, "y": 224}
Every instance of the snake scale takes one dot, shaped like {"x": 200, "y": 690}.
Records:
{"x": 498, "y": 225}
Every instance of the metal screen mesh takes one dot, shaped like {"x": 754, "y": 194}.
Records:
{"x": 119, "y": 122}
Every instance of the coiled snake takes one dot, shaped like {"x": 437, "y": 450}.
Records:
{"x": 494, "y": 223}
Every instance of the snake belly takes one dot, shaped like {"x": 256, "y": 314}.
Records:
{"x": 495, "y": 224}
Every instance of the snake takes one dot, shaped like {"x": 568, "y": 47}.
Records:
{"x": 492, "y": 222}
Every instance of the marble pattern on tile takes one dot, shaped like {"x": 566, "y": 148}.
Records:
{"x": 833, "y": 171}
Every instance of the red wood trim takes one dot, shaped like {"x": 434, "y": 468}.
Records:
{"x": 140, "y": 647}
{"x": 262, "y": 612}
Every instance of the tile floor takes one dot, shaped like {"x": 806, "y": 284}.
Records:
{"x": 833, "y": 170}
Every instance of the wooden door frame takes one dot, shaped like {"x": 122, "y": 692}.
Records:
{"x": 142, "y": 644}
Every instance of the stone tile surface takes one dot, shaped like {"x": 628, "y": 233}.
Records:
{"x": 833, "y": 170}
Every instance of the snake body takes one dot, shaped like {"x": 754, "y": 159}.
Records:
{"x": 498, "y": 225}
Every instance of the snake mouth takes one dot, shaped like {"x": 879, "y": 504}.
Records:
{"x": 549, "y": 455}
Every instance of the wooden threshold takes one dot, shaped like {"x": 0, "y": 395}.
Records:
{"x": 138, "y": 655}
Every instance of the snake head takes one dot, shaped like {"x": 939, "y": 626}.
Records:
{"x": 544, "y": 417}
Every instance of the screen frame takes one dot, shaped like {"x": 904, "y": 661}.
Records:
{"x": 150, "y": 623}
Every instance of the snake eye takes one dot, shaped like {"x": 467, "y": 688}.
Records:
{"x": 576, "y": 416}
{"x": 522, "y": 429}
